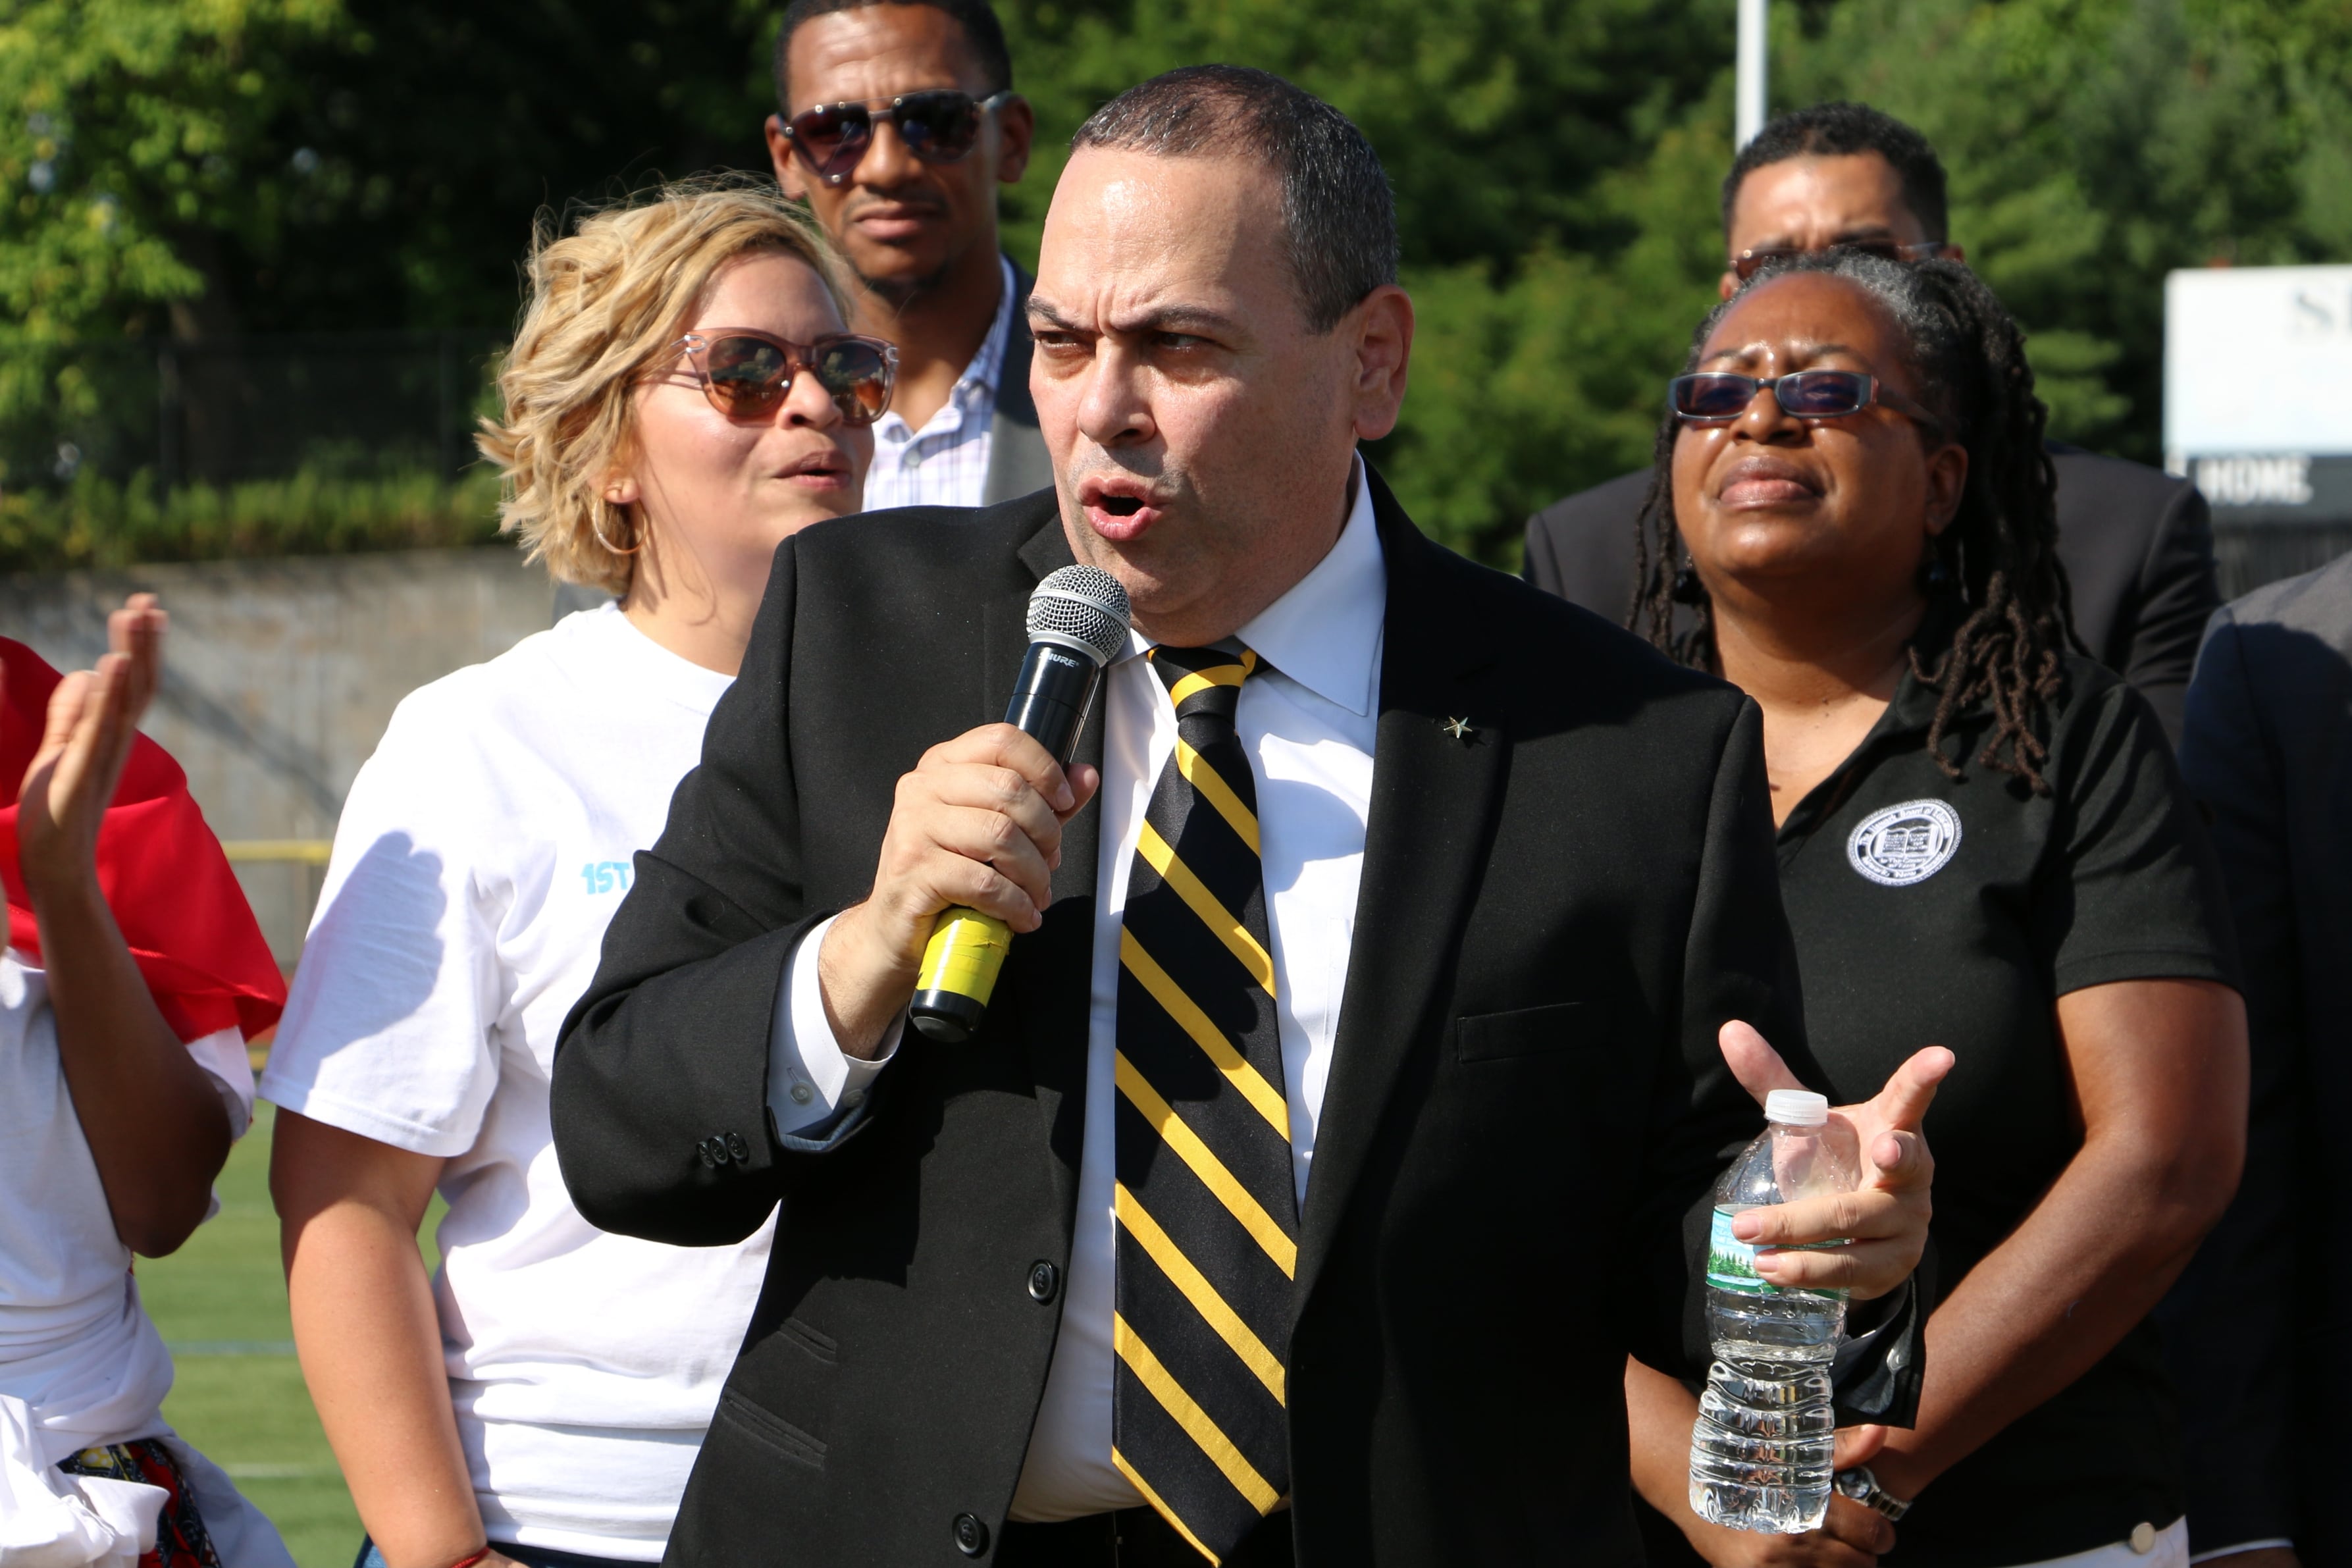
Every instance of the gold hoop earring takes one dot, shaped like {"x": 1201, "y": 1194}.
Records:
{"x": 596, "y": 526}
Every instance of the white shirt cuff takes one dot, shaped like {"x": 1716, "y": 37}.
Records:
{"x": 810, "y": 1077}
{"x": 2276, "y": 1542}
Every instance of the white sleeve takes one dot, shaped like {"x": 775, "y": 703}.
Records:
{"x": 810, "y": 1077}
{"x": 388, "y": 1028}
{"x": 222, "y": 1055}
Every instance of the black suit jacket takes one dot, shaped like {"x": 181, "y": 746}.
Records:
{"x": 1525, "y": 1114}
{"x": 2251, "y": 1328}
{"x": 2137, "y": 545}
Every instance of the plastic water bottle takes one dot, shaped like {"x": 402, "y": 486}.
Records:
{"x": 1760, "y": 1454}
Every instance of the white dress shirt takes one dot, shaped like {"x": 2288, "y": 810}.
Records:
{"x": 946, "y": 462}
{"x": 1307, "y": 721}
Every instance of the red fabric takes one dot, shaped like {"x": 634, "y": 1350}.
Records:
{"x": 162, "y": 872}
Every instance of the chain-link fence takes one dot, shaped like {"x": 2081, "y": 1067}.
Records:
{"x": 224, "y": 411}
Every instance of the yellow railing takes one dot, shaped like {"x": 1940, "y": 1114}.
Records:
{"x": 298, "y": 851}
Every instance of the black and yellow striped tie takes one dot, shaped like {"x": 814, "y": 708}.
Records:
{"x": 1207, "y": 1211}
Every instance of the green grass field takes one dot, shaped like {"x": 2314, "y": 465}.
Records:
{"x": 220, "y": 1302}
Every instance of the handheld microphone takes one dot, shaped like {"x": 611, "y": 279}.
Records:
{"x": 1078, "y": 623}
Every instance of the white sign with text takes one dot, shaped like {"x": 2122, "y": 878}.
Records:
{"x": 2258, "y": 362}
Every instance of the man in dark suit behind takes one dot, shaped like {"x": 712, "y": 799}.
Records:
{"x": 2253, "y": 1327}
{"x": 908, "y": 198}
{"x": 1346, "y": 876}
{"x": 2137, "y": 544}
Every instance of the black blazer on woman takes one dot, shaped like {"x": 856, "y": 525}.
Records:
{"x": 1525, "y": 1107}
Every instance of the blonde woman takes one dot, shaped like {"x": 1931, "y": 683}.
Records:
{"x": 680, "y": 396}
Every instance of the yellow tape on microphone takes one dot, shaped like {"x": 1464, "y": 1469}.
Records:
{"x": 959, "y": 972}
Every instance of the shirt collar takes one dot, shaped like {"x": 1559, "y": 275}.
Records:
{"x": 1324, "y": 633}
{"x": 1910, "y": 714}
{"x": 1913, "y": 708}
{"x": 978, "y": 384}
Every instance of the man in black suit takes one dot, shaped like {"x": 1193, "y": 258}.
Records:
{"x": 2137, "y": 544}
{"x": 2252, "y": 1327}
{"x": 898, "y": 122}
{"x": 1347, "y": 876}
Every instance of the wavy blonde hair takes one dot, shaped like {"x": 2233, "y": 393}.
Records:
{"x": 608, "y": 303}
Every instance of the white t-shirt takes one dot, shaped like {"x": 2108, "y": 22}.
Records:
{"x": 81, "y": 1364}
{"x": 74, "y": 1344}
{"x": 481, "y": 853}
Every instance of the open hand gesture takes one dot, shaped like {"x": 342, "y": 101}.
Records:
{"x": 1884, "y": 1222}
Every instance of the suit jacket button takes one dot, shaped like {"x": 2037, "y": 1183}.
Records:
{"x": 737, "y": 1147}
{"x": 710, "y": 1156}
{"x": 1045, "y": 1280}
{"x": 971, "y": 1535}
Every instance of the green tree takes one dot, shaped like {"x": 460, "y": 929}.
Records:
{"x": 2095, "y": 145}
{"x": 214, "y": 167}
{"x": 206, "y": 168}
{"x": 429, "y": 135}
{"x": 133, "y": 133}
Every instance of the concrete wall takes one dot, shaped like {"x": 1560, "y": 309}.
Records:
{"x": 282, "y": 675}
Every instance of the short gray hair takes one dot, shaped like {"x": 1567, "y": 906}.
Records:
{"x": 1338, "y": 213}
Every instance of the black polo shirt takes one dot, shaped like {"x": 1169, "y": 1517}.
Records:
{"x": 1929, "y": 910}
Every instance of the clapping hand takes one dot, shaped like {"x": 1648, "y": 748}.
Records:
{"x": 92, "y": 720}
{"x": 1883, "y": 1223}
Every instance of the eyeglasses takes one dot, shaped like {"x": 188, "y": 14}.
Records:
{"x": 748, "y": 374}
{"x": 939, "y": 125}
{"x": 1747, "y": 263}
{"x": 1718, "y": 397}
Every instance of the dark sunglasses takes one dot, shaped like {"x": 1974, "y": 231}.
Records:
{"x": 1718, "y": 397}
{"x": 939, "y": 125}
{"x": 1747, "y": 263}
{"x": 746, "y": 375}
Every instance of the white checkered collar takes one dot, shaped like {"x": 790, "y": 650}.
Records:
{"x": 975, "y": 389}
{"x": 987, "y": 366}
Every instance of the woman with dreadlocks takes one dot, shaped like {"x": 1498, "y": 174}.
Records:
{"x": 1983, "y": 845}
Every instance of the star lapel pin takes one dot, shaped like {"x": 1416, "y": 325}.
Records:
{"x": 1460, "y": 729}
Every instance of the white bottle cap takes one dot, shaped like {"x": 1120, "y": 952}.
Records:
{"x": 1797, "y": 1108}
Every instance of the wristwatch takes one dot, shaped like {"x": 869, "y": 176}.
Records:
{"x": 1863, "y": 1487}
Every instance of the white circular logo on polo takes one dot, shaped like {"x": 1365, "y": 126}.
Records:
{"x": 1906, "y": 844}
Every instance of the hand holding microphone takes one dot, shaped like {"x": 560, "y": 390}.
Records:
{"x": 977, "y": 827}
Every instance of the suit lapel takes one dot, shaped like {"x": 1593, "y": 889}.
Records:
{"x": 1434, "y": 799}
{"x": 1055, "y": 1003}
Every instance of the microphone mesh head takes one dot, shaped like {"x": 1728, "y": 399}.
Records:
{"x": 1081, "y": 605}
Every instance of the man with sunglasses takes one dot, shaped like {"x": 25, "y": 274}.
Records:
{"x": 898, "y": 121}
{"x": 2137, "y": 545}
